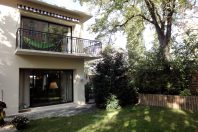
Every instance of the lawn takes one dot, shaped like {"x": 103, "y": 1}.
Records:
{"x": 131, "y": 119}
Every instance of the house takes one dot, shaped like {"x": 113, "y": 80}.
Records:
{"x": 42, "y": 54}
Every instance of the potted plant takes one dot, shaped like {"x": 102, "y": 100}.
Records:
{"x": 2, "y": 112}
{"x": 20, "y": 122}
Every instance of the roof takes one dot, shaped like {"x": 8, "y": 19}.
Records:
{"x": 84, "y": 15}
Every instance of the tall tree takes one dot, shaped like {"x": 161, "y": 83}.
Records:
{"x": 116, "y": 15}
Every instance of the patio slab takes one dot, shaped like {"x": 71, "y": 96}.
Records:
{"x": 68, "y": 109}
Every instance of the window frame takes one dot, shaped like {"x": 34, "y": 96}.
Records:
{"x": 48, "y": 23}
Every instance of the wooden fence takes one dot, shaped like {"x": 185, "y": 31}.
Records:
{"x": 170, "y": 101}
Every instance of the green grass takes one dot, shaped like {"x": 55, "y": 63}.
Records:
{"x": 131, "y": 119}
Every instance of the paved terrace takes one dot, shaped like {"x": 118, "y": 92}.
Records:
{"x": 68, "y": 109}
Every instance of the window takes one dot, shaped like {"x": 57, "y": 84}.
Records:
{"x": 45, "y": 86}
{"x": 42, "y": 35}
{"x": 43, "y": 26}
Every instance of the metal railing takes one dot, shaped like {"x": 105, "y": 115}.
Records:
{"x": 44, "y": 41}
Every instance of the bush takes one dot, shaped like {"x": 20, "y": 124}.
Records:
{"x": 128, "y": 96}
{"x": 185, "y": 92}
{"x": 112, "y": 103}
{"x": 154, "y": 75}
{"x": 112, "y": 78}
{"x": 20, "y": 122}
{"x": 158, "y": 77}
{"x": 2, "y": 105}
{"x": 2, "y": 112}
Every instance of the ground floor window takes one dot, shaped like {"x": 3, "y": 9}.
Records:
{"x": 41, "y": 87}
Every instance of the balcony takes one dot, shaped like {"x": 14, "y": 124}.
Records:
{"x": 31, "y": 42}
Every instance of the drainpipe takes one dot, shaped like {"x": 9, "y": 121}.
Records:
{"x": 2, "y": 95}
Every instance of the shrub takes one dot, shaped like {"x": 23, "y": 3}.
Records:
{"x": 185, "y": 92}
{"x": 153, "y": 75}
{"x": 157, "y": 77}
{"x": 2, "y": 105}
{"x": 112, "y": 78}
{"x": 128, "y": 96}
{"x": 20, "y": 122}
{"x": 112, "y": 103}
{"x": 2, "y": 112}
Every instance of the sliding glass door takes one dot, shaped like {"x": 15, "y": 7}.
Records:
{"x": 44, "y": 35}
{"x": 47, "y": 87}
{"x": 67, "y": 86}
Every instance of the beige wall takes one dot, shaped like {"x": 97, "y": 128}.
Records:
{"x": 11, "y": 63}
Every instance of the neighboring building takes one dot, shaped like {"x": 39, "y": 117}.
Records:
{"x": 42, "y": 55}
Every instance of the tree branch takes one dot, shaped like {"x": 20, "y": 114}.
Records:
{"x": 169, "y": 21}
{"x": 130, "y": 18}
{"x": 146, "y": 18}
{"x": 163, "y": 16}
{"x": 124, "y": 23}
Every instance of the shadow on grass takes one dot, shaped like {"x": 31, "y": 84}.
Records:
{"x": 139, "y": 118}
{"x": 143, "y": 118}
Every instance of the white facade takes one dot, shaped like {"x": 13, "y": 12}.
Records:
{"x": 11, "y": 63}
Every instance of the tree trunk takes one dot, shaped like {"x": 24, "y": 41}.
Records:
{"x": 163, "y": 25}
{"x": 164, "y": 53}
{"x": 165, "y": 49}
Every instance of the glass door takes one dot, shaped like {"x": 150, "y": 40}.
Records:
{"x": 44, "y": 35}
{"x": 48, "y": 87}
{"x": 62, "y": 36}
{"x": 67, "y": 86}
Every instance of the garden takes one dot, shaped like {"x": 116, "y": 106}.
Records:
{"x": 167, "y": 68}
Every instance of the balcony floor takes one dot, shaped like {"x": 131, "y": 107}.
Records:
{"x": 56, "y": 54}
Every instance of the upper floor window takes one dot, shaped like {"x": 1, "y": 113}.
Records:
{"x": 44, "y": 26}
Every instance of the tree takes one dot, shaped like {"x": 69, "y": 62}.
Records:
{"x": 161, "y": 70}
{"x": 118, "y": 15}
{"x": 111, "y": 78}
{"x": 150, "y": 77}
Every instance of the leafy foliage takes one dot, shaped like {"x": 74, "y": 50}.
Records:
{"x": 151, "y": 75}
{"x": 112, "y": 78}
{"x": 187, "y": 51}
{"x": 185, "y": 92}
{"x": 20, "y": 122}
{"x": 2, "y": 112}
{"x": 119, "y": 15}
{"x": 2, "y": 105}
{"x": 168, "y": 67}
{"x": 112, "y": 103}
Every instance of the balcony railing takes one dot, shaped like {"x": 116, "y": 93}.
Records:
{"x": 44, "y": 41}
